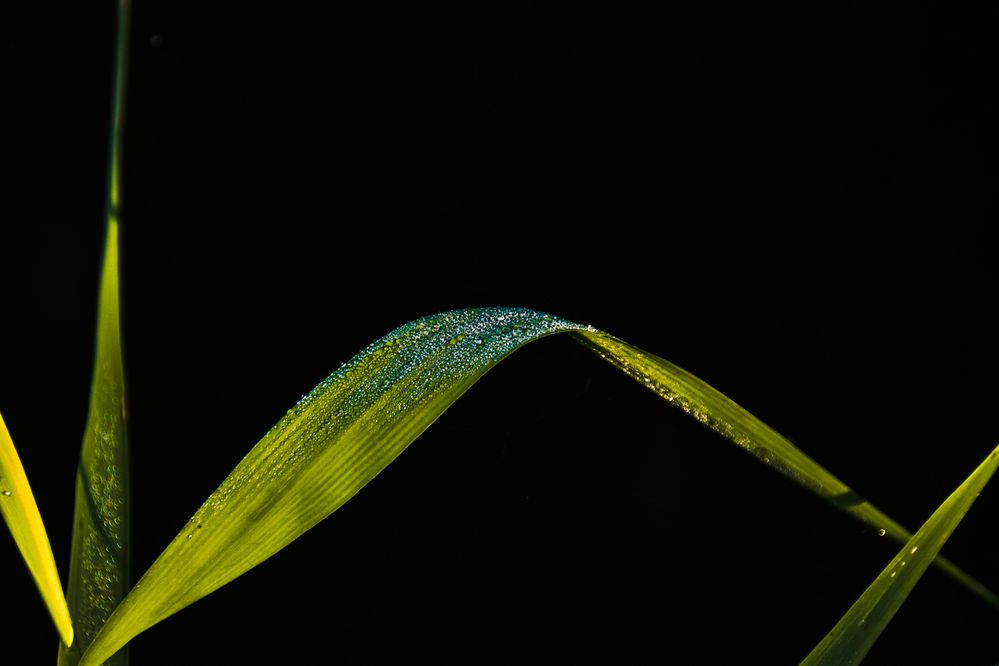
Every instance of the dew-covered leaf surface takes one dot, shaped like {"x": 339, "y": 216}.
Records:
{"x": 358, "y": 420}
{"x": 855, "y": 633}
{"x": 98, "y": 573}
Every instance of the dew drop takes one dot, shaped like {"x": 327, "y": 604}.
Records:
{"x": 914, "y": 549}
{"x": 881, "y": 532}
{"x": 6, "y": 493}
{"x": 189, "y": 536}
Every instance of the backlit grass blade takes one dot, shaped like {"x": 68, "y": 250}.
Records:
{"x": 99, "y": 562}
{"x": 722, "y": 415}
{"x": 351, "y": 426}
{"x": 855, "y": 633}
{"x": 20, "y": 512}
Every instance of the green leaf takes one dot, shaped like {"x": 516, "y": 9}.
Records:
{"x": 722, "y": 415}
{"x": 98, "y": 573}
{"x": 99, "y": 561}
{"x": 855, "y": 633}
{"x": 351, "y": 426}
{"x": 20, "y": 512}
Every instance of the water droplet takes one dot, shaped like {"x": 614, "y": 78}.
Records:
{"x": 6, "y": 493}
{"x": 914, "y": 549}
{"x": 892, "y": 574}
{"x": 189, "y": 536}
{"x": 903, "y": 563}
{"x": 881, "y": 532}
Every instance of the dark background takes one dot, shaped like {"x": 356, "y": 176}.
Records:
{"x": 791, "y": 200}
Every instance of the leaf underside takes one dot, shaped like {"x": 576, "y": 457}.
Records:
{"x": 354, "y": 423}
{"x": 854, "y": 635}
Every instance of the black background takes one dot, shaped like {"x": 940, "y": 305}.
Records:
{"x": 791, "y": 200}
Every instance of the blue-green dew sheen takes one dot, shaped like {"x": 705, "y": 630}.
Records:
{"x": 406, "y": 370}
{"x": 452, "y": 344}
{"x": 376, "y": 393}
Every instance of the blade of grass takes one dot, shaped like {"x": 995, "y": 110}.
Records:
{"x": 20, "y": 512}
{"x": 354, "y": 423}
{"x": 99, "y": 561}
{"x": 731, "y": 421}
{"x": 854, "y": 635}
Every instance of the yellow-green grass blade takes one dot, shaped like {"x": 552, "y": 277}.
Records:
{"x": 855, "y": 633}
{"x": 20, "y": 512}
{"x": 724, "y": 416}
{"x": 99, "y": 560}
{"x": 354, "y": 423}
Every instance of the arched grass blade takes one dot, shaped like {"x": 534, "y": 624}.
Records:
{"x": 99, "y": 562}
{"x": 351, "y": 426}
{"x": 855, "y": 633}
{"x": 20, "y": 512}
{"x": 325, "y": 449}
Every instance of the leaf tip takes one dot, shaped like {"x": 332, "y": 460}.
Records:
{"x": 65, "y": 627}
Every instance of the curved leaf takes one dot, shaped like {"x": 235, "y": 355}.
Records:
{"x": 728, "y": 419}
{"x": 854, "y": 635}
{"x": 20, "y": 512}
{"x": 99, "y": 562}
{"x": 358, "y": 420}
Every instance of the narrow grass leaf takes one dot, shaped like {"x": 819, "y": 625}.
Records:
{"x": 99, "y": 561}
{"x": 855, "y": 633}
{"x": 728, "y": 419}
{"x": 354, "y": 423}
{"x": 20, "y": 512}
